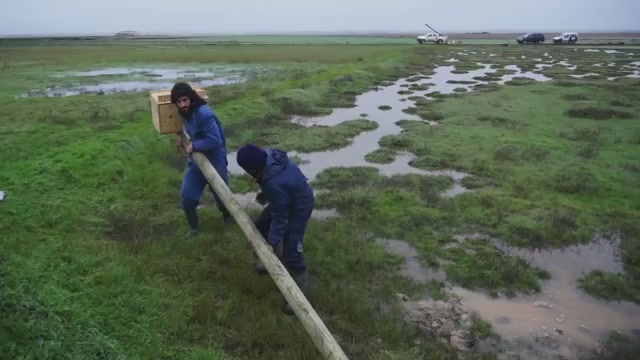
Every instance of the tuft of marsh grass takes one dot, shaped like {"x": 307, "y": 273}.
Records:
{"x": 381, "y": 156}
{"x": 575, "y": 97}
{"x": 598, "y": 113}
{"x": 609, "y": 286}
{"x": 479, "y": 265}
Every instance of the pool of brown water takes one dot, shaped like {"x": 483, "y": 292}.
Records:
{"x": 561, "y": 313}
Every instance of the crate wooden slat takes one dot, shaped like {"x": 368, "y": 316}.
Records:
{"x": 164, "y": 114}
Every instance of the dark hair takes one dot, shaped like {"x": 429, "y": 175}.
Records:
{"x": 183, "y": 89}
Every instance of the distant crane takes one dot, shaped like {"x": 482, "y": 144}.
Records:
{"x": 434, "y": 30}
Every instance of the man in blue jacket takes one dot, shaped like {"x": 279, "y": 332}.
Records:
{"x": 203, "y": 128}
{"x": 290, "y": 204}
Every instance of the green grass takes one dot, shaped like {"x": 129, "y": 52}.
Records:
{"x": 544, "y": 174}
{"x": 493, "y": 270}
{"x": 94, "y": 259}
{"x": 94, "y": 255}
{"x": 222, "y": 40}
{"x": 610, "y": 286}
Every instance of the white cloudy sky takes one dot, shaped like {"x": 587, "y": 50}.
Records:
{"x": 272, "y": 16}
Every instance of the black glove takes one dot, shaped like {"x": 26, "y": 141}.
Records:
{"x": 261, "y": 199}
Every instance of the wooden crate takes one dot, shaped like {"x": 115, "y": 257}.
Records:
{"x": 164, "y": 114}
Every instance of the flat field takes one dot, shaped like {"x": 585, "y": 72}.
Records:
{"x": 505, "y": 177}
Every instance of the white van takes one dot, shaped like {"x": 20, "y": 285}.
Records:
{"x": 566, "y": 38}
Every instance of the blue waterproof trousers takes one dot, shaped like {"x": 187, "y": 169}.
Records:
{"x": 293, "y": 237}
{"x": 193, "y": 185}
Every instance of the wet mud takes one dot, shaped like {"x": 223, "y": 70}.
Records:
{"x": 561, "y": 320}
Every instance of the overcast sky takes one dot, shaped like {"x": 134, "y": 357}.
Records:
{"x": 273, "y": 16}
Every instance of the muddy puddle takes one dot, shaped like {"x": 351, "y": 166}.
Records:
{"x": 161, "y": 73}
{"x": 580, "y": 76}
{"x": 412, "y": 267}
{"x": 443, "y": 80}
{"x": 139, "y": 79}
{"x": 368, "y": 103}
{"x": 565, "y": 317}
{"x": 129, "y": 86}
{"x": 520, "y": 73}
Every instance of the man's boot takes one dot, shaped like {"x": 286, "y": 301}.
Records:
{"x": 302, "y": 280}
{"x": 192, "y": 219}
{"x": 227, "y": 219}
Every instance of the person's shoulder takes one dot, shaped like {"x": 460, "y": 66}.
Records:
{"x": 204, "y": 111}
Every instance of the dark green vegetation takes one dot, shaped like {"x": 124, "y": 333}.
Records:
{"x": 553, "y": 165}
{"x": 616, "y": 347}
{"x": 94, "y": 261}
{"x": 611, "y": 286}
{"x": 316, "y": 138}
{"x": 93, "y": 258}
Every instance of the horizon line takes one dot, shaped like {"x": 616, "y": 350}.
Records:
{"x": 310, "y": 32}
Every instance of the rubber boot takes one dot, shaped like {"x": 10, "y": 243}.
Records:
{"x": 192, "y": 219}
{"x": 227, "y": 219}
{"x": 260, "y": 269}
{"x": 302, "y": 280}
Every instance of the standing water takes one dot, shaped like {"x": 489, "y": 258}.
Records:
{"x": 561, "y": 312}
{"x": 367, "y": 142}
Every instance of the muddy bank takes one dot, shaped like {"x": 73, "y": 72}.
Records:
{"x": 561, "y": 310}
{"x": 448, "y": 321}
{"x": 560, "y": 321}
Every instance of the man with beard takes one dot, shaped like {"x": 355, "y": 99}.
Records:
{"x": 202, "y": 127}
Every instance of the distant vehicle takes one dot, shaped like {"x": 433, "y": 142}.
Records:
{"x": 434, "y": 37}
{"x": 530, "y": 38}
{"x": 566, "y": 38}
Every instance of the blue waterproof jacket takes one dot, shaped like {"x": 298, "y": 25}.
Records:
{"x": 207, "y": 136}
{"x": 286, "y": 189}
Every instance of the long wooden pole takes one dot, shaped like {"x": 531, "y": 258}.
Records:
{"x": 322, "y": 338}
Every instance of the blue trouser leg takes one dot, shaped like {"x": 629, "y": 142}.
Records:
{"x": 263, "y": 223}
{"x": 219, "y": 204}
{"x": 293, "y": 237}
{"x": 193, "y": 185}
{"x": 293, "y": 241}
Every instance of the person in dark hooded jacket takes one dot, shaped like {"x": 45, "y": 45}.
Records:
{"x": 290, "y": 204}
{"x": 203, "y": 128}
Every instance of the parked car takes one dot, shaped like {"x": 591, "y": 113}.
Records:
{"x": 566, "y": 38}
{"x": 530, "y": 38}
{"x": 432, "y": 37}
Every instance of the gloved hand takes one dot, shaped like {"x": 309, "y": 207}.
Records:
{"x": 261, "y": 199}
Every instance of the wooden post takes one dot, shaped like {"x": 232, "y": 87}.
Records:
{"x": 322, "y": 338}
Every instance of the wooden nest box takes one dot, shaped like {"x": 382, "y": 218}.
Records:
{"x": 164, "y": 114}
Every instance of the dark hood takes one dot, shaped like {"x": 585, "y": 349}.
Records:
{"x": 277, "y": 162}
